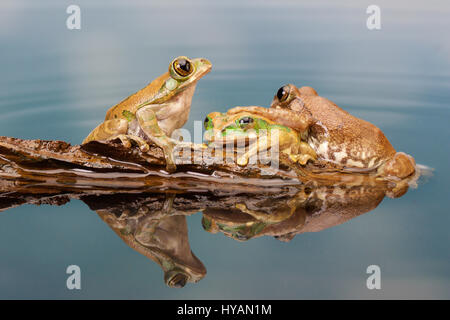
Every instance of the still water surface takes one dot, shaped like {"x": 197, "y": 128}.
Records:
{"x": 57, "y": 84}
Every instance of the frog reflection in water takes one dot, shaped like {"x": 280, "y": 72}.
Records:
{"x": 153, "y": 222}
{"x": 261, "y": 133}
{"x": 154, "y": 112}
{"x": 151, "y": 226}
{"x": 334, "y": 134}
{"x": 312, "y": 208}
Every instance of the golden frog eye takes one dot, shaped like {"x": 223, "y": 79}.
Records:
{"x": 183, "y": 67}
{"x": 283, "y": 93}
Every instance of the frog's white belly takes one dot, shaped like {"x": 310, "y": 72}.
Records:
{"x": 170, "y": 115}
{"x": 174, "y": 115}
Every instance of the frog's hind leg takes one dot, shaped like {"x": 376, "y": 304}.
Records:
{"x": 149, "y": 124}
{"x": 115, "y": 129}
{"x": 107, "y": 129}
{"x": 401, "y": 166}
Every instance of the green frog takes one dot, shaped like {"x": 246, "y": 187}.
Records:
{"x": 259, "y": 132}
{"x": 154, "y": 112}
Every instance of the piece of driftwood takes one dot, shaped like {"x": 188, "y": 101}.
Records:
{"x": 109, "y": 160}
{"x": 39, "y": 166}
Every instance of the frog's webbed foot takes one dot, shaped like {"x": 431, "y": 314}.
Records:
{"x": 400, "y": 166}
{"x": 149, "y": 124}
{"x": 242, "y": 160}
{"x": 168, "y": 149}
{"x": 261, "y": 143}
{"x": 128, "y": 139}
{"x": 302, "y": 153}
{"x": 301, "y": 158}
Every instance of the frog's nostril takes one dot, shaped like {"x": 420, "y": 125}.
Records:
{"x": 205, "y": 61}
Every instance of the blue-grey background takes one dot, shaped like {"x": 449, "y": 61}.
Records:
{"x": 57, "y": 84}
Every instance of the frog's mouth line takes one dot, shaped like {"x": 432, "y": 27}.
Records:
{"x": 243, "y": 142}
{"x": 236, "y": 138}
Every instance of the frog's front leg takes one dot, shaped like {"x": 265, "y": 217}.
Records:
{"x": 149, "y": 124}
{"x": 261, "y": 143}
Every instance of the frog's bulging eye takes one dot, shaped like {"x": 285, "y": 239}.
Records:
{"x": 206, "y": 123}
{"x": 283, "y": 93}
{"x": 177, "y": 281}
{"x": 183, "y": 67}
{"x": 245, "y": 121}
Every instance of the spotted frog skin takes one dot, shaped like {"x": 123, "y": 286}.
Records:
{"x": 154, "y": 112}
{"x": 335, "y": 135}
{"x": 222, "y": 128}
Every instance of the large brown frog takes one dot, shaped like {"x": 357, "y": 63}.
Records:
{"x": 334, "y": 134}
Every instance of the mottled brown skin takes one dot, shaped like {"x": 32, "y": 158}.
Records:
{"x": 133, "y": 102}
{"x": 334, "y": 134}
{"x": 339, "y": 137}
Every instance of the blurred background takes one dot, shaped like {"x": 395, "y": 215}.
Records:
{"x": 57, "y": 84}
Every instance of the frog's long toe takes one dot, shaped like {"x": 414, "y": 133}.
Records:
{"x": 242, "y": 161}
{"x": 127, "y": 141}
{"x": 169, "y": 156}
{"x": 143, "y": 145}
{"x": 301, "y": 158}
{"x": 124, "y": 139}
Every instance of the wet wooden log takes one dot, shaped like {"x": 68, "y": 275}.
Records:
{"x": 40, "y": 166}
{"x": 107, "y": 165}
